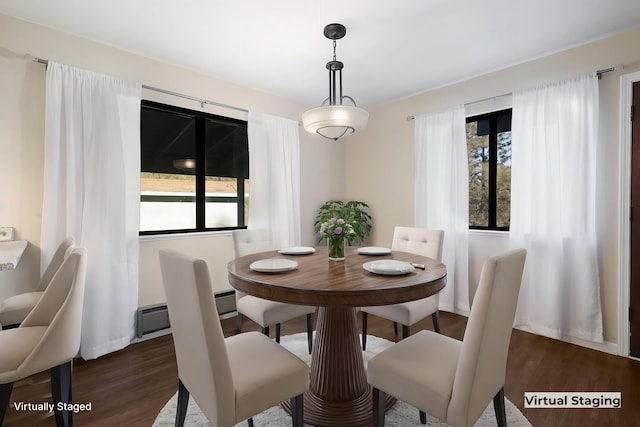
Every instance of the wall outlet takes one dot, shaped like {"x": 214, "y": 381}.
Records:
{"x": 6, "y": 234}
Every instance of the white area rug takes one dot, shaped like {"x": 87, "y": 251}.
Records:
{"x": 401, "y": 415}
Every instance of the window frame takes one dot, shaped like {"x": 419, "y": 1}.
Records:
{"x": 493, "y": 167}
{"x": 200, "y": 196}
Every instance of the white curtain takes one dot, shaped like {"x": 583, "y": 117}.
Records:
{"x": 442, "y": 196}
{"x": 92, "y": 193}
{"x": 274, "y": 173}
{"x": 553, "y": 207}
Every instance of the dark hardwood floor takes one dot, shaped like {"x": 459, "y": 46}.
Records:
{"x": 129, "y": 387}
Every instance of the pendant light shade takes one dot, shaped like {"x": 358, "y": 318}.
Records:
{"x": 333, "y": 119}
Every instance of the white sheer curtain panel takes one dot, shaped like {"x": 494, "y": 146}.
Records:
{"x": 274, "y": 173}
{"x": 553, "y": 207}
{"x": 92, "y": 193}
{"x": 442, "y": 196}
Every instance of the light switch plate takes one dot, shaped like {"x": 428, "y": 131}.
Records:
{"x": 6, "y": 234}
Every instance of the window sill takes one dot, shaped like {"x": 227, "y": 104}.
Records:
{"x": 495, "y": 233}
{"x": 183, "y": 236}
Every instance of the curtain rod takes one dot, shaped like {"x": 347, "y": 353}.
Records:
{"x": 156, "y": 89}
{"x": 599, "y": 73}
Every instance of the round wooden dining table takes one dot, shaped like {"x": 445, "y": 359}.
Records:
{"x": 338, "y": 393}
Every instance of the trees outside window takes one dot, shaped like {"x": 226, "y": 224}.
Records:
{"x": 489, "y": 154}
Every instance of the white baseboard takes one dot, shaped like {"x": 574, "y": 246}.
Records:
{"x": 151, "y": 335}
{"x": 605, "y": 347}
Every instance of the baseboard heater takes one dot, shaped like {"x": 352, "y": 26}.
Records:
{"x": 156, "y": 317}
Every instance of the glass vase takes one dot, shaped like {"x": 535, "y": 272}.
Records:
{"x": 336, "y": 249}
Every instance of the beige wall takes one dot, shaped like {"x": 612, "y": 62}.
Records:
{"x": 22, "y": 85}
{"x": 380, "y": 159}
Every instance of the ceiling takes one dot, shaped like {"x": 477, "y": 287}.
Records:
{"x": 392, "y": 50}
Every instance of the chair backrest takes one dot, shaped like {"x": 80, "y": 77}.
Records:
{"x": 64, "y": 249}
{"x": 201, "y": 353}
{"x": 480, "y": 373}
{"x": 420, "y": 241}
{"x": 60, "y": 310}
{"x": 246, "y": 242}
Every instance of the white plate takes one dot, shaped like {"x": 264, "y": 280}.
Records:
{"x": 388, "y": 267}
{"x": 374, "y": 250}
{"x": 297, "y": 250}
{"x": 273, "y": 265}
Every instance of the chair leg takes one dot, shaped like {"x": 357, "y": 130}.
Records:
{"x": 498, "y": 405}
{"x": 406, "y": 331}
{"x": 365, "y": 317}
{"x": 435, "y": 317}
{"x": 5, "y": 394}
{"x": 61, "y": 393}
{"x": 378, "y": 407}
{"x": 250, "y": 422}
{"x": 310, "y": 331}
{"x": 265, "y": 330}
{"x": 423, "y": 417}
{"x": 297, "y": 410}
{"x": 239, "y": 325}
{"x": 183, "y": 403}
{"x": 278, "y": 333}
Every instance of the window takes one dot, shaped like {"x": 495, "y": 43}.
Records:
{"x": 194, "y": 171}
{"x": 489, "y": 153}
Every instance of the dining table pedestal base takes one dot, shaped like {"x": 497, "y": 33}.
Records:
{"x": 338, "y": 394}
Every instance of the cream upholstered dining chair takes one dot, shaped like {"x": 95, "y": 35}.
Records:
{"x": 231, "y": 379}
{"x": 450, "y": 379}
{"x": 262, "y": 311}
{"x": 14, "y": 309}
{"x": 420, "y": 241}
{"x": 48, "y": 338}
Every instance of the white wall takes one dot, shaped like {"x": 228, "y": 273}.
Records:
{"x": 22, "y": 85}
{"x": 375, "y": 166}
{"x": 380, "y": 159}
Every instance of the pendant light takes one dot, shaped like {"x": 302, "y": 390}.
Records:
{"x": 333, "y": 119}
